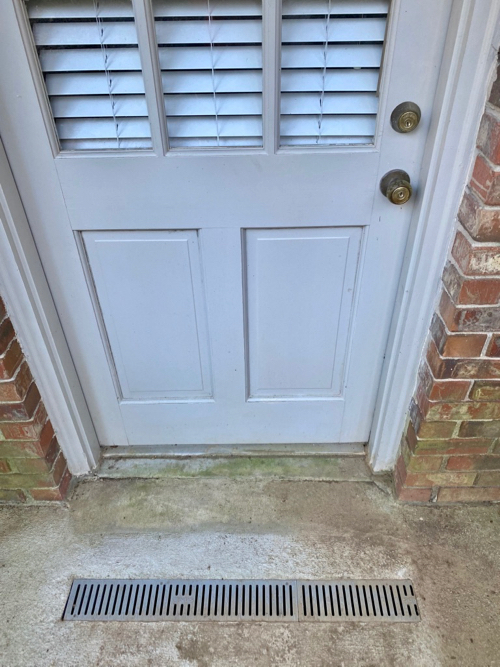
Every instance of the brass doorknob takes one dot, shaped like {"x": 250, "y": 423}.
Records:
{"x": 396, "y": 186}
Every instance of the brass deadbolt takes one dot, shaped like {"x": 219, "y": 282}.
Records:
{"x": 405, "y": 117}
{"x": 396, "y": 186}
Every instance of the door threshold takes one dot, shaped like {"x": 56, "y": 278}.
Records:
{"x": 217, "y": 451}
{"x": 246, "y": 464}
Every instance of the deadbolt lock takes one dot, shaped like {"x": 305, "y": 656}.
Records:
{"x": 396, "y": 186}
{"x": 405, "y": 117}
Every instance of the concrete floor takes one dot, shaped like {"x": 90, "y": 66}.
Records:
{"x": 249, "y": 527}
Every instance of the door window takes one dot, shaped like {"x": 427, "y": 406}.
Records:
{"x": 210, "y": 54}
{"x": 89, "y": 56}
{"x": 331, "y": 55}
{"x": 208, "y": 69}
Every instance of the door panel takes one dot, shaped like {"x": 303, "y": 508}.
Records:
{"x": 150, "y": 291}
{"x": 233, "y": 293}
{"x": 300, "y": 285}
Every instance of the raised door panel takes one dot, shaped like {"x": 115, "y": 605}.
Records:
{"x": 300, "y": 285}
{"x": 149, "y": 290}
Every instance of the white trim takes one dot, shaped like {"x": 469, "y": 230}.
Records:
{"x": 24, "y": 288}
{"x": 469, "y": 56}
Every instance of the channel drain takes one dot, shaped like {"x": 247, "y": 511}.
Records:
{"x": 241, "y": 600}
{"x": 379, "y": 600}
{"x": 180, "y": 600}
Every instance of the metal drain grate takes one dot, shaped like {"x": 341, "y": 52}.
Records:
{"x": 357, "y": 601}
{"x": 181, "y": 600}
{"x": 240, "y": 600}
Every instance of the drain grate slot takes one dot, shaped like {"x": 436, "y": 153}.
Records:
{"x": 355, "y": 600}
{"x": 181, "y": 600}
{"x": 241, "y": 600}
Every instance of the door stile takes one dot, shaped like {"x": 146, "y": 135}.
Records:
{"x": 271, "y": 68}
{"x": 37, "y": 75}
{"x": 148, "y": 49}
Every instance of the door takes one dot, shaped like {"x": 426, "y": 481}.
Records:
{"x": 202, "y": 181}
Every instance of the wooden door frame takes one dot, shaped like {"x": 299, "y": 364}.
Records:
{"x": 470, "y": 54}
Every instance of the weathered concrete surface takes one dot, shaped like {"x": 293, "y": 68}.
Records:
{"x": 326, "y": 468}
{"x": 196, "y": 527}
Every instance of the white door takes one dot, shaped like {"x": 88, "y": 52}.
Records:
{"x": 202, "y": 181}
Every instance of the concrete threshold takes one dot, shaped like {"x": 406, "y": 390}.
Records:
{"x": 312, "y": 468}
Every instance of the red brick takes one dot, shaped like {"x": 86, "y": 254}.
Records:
{"x": 36, "y": 465}
{"x": 479, "y": 291}
{"x": 6, "y": 334}
{"x": 10, "y": 360}
{"x": 453, "y": 390}
{"x": 474, "y": 463}
{"x": 455, "y": 345}
{"x": 453, "y": 446}
{"x": 482, "y": 222}
{"x": 16, "y": 388}
{"x": 468, "y": 495}
{"x": 29, "y": 448}
{"x": 485, "y": 390}
{"x": 486, "y": 181}
{"x": 462, "y": 319}
{"x": 488, "y": 140}
{"x": 488, "y": 478}
{"x": 12, "y": 496}
{"x": 475, "y": 429}
{"x": 465, "y": 410}
{"x": 440, "y": 368}
{"x": 22, "y": 410}
{"x": 424, "y": 464}
{"x": 476, "y": 260}
{"x": 400, "y": 470}
{"x": 440, "y": 479}
{"x": 410, "y": 495}
{"x": 58, "y": 469}
{"x": 494, "y": 346}
{"x": 436, "y": 430}
{"x": 467, "y": 290}
{"x": 455, "y": 450}
{"x": 4, "y": 467}
{"x": 28, "y": 430}
{"x": 450, "y": 368}
{"x": 476, "y": 369}
{"x": 55, "y": 493}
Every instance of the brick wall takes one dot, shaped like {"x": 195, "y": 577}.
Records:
{"x": 32, "y": 466}
{"x": 450, "y": 450}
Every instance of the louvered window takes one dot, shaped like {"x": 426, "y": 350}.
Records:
{"x": 330, "y": 63}
{"x": 90, "y": 60}
{"x": 210, "y": 55}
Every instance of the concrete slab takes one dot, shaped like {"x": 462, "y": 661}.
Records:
{"x": 249, "y": 527}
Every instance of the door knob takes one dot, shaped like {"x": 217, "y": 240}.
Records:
{"x": 396, "y": 186}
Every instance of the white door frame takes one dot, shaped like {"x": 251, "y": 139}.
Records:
{"x": 470, "y": 55}
{"x": 469, "y": 59}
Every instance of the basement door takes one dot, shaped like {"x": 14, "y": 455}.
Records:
{"x": 202, "y": 182}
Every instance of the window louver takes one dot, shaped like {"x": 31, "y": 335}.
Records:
{"x": 210, "y": 55}
{"x": 90, "y": 59}
{"x": 330, "y": 63}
